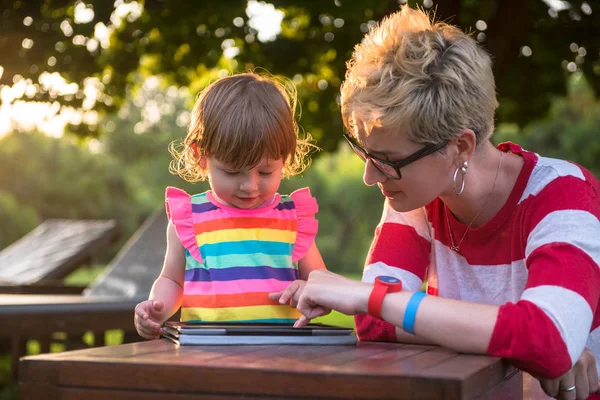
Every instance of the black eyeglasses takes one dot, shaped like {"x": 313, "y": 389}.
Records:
{"x": 391, "y": 169}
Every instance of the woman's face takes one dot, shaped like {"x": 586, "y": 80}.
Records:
{"x": 422, "y": 180}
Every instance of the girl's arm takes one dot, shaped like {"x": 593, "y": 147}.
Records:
{"x": 310, "y": 262}
{"x": 168, "y": 287}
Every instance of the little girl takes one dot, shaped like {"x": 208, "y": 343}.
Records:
{"x": 231, "y": 246}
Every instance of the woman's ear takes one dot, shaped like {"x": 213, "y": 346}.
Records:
{"x": 466, "y": 142}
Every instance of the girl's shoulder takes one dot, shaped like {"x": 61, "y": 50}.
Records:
{"x": 172, "y": 192}
{"x": 302, "y": 200}
{"x": 179, "y": 207}
{"x": 306, "y": 207}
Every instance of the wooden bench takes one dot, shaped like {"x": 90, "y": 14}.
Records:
{"x": 37, "y": 262}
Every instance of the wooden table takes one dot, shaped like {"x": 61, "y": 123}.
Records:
{"x": 161, "y": 370}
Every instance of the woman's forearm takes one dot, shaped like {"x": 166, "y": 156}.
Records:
{"x": 170, "y": 293}
{"x": 405, "y": 337}
{"x": 459, "y": 325}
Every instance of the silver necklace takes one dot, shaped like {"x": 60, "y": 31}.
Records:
{"x": 456, "y": 247}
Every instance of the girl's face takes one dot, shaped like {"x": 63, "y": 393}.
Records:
{"x": 422, "y": 181}
{"x": 245, "y": 188}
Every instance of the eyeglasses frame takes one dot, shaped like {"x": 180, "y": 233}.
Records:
{"x": 396, "y": 165}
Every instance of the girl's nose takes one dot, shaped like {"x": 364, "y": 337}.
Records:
{"x": 372, "y": 175}
{"x": 250, "y": 183}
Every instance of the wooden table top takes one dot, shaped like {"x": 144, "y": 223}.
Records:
{"x": 160, "y": 369}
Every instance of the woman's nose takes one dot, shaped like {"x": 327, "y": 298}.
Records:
{"x": 373, "y": 175}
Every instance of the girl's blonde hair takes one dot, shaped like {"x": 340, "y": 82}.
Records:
{"x": 429, "y": 80}
{"x": 239, "y": 120}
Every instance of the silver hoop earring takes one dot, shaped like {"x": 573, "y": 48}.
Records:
{"x": 463, "y": 171}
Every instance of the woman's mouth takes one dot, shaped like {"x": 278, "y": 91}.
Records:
{"x": 388, "y": 193}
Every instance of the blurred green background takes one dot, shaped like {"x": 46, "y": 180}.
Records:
{"x": 92, "y": 92}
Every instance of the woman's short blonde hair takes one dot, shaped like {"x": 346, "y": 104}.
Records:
{"x": 429, "y": 80}
{"x": 238, "y": 120}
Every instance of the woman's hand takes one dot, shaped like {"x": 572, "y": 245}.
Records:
{"x": 291, "y": 293}
{"x": 583, "y": 377}
{"x": 326, "y": 291}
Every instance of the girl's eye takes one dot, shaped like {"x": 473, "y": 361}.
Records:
{"x": 231, "y": 173}
{"x": 265, "y": 173}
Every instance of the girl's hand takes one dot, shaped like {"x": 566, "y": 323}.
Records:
{"x": 326, "y": 291}
{"x": 148, "y": 319}
{"x": 583, "y": 376}
{"x": 291, "y": 293}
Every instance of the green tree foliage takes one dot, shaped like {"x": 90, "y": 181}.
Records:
{"x": 59, "y": 179}
{"x": 15, "y": 219}
{"x": 569, "y": 132}
{"x": 139, "y": 137}
{"x": 184, "y": 41}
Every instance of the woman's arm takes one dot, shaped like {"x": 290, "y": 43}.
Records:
{"x": 401, "y": 248}
{"x": 459, "y": 325}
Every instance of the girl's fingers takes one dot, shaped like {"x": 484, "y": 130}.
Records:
{"x": 275, "y": 295}
{"x": 287, "y": 294}
{"x": 148, "y": 333}
{"x": 147, "y": 324}
{"x": 145, "y": 334}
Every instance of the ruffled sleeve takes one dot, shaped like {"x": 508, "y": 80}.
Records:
{"x": 179, "y": 210}
{"x": 306, "y": 208}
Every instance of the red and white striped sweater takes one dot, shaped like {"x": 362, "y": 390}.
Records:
{"x": 538, "y": 258}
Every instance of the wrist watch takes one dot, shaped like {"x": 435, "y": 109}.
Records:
{"x": 383, "y": 285}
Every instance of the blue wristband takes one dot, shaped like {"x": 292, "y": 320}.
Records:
{"x": 410, "y": 314}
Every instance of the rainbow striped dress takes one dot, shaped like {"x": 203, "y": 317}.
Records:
{"x": 236, "y": 257}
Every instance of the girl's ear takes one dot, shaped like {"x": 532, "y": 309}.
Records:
{"x": 203, "y": 162}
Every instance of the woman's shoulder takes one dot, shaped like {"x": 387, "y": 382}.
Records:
{"x": 556, "y": 175}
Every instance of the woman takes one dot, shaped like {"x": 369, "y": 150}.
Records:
{"x": 508, "y": 240}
